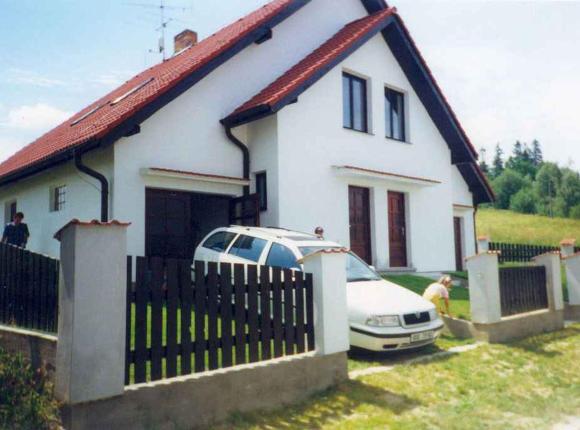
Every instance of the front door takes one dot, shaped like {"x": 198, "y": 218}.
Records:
{"x": 360, "y": 222}
{"x": 397, "y": 230}
{"x": 458, "y": 243}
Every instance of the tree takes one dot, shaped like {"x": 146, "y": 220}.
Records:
{"x": 521, "y": 160}
{"x": 575, "y": 212}
{"x": 546, "y": 187}
{"x": 498, "y": 166}
{"x": 523, "y": 201}
{"x": 537, "y": 154}
{"x": 569, "y": 191}
{"x": 506, "y": 185}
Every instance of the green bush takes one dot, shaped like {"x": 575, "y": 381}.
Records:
{"x": 26, "y": 400}
{"x": 575, "y": 212}
{"x": 523, "y": 201}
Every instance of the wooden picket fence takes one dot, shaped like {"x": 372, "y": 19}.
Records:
{"x": 28, "y": 289}
{"x": 227, "y": 315}
{"x": 522, "y": 289}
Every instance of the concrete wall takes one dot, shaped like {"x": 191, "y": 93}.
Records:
{"x": 200, "y": 400}
{"x": 38, "y": 348}
{"x": 83, "y": 199}
{"x": 312, "y": 139}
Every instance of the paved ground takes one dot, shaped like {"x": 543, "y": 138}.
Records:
{"x": 571, "y": 423}
{"x": 422, "y": 359}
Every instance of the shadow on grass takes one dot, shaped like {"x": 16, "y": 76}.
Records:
{"x": 323, "y": 409}
{"x": 538, "y": 344}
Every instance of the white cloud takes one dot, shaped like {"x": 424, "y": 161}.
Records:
{"x": 39, "y": 117}
{"x": 9, "y": 146}
{"x": 28, "y": 77}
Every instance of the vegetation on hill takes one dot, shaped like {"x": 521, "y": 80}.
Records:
{"x": 525, "y": 183}
{"x": 511, "y": 227}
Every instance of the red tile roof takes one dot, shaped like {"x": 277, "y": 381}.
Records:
{"x": 100, "y": 118}
{"x": 325, "y": 55}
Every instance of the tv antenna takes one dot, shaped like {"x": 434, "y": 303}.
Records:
{"x": 164, "y": 21}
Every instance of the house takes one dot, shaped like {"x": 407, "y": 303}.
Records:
{"x": 303, "y": 113}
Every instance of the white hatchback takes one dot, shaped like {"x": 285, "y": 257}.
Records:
{"x": 383, "y": 316}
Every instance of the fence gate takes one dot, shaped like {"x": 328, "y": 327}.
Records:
{"x": 522, "y": 289}
{"x": 28, "y": 289}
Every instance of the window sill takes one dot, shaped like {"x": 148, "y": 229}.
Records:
{"x": 398, "y": 141}
{"x": 368, "y": 133}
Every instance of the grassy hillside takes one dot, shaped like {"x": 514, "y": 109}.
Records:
{"x": 506, "y": 226}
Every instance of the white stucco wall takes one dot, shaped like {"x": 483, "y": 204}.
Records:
{"x": 311, "y": 140}
{"x": 83, "y": 199}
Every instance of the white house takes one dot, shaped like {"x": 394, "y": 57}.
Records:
{"x": 319, "y": 112}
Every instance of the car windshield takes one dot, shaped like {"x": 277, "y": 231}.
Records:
{"x": 356, "y": 269}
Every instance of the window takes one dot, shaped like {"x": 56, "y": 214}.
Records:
{"x": 395, "y": 114}
{"x": 10, "y": 210}
{"x": 248, "y": 247}
{"x": 354, "y": 98}
{"x": 262, "y": 190}
{"x": 280, "y": 256}
{"x": 57, "y": 198}
{"x": 219, "y": 241}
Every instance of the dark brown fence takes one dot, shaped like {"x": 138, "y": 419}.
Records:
{"x": 519, "y": 253}
{"x": 522, "y": 289}
{"x": 229, "y": 315}
{"x": 28, "y": 289}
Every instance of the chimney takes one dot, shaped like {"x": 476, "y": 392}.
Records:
{"x": 183, "y": 40}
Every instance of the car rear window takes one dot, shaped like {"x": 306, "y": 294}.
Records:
{"x": 219, "y": 241}
{"x": 280, "y": 256}
{"x": 248, "y": 247}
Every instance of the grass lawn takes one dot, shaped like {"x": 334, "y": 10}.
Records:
{"x": 530, "y": 384}
{"x": 511, "y": 227}
{"x": 459, "y": 303}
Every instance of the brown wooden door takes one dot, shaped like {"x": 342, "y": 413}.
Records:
{"x": 397, "y": 230}
{"x": 360, "y": 222}
{"x": 168, "y": 230}
{"x": 458, "y": 243}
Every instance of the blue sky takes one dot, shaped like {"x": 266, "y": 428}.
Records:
{"x": 510, "y": 69}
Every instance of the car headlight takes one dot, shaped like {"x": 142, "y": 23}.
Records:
{"x": 433, "y": 315}
{"x": 383, "y": 321}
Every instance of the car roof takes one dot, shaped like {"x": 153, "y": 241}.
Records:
{"x": 298, "y": 238}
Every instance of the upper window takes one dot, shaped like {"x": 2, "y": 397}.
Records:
{"x": 395, "y": 114}
{"x": 280, "y": 256}
{"x": 262, "y": 190}
{"x": 354, "y": 97}
{"x": 248, "y": 247}
{"x": 10, "y": 210}
{"x": 57, "y": 198}
{"x": 219, "y": 241}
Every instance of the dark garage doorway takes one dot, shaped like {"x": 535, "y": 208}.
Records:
{"x": 177, "y": 221}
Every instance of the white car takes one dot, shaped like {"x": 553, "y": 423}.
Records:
{"x": 382, "y": 316}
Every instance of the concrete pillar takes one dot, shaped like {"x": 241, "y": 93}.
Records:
{"x": 331, "y": 328}
{"x": 572, "y": 267}
{"x": 551, "y": 261}
{"x": 90, "y": 362}
{"x": 567, "y": 247}
{"x": 484, "y": 296}
{"x": 483, "y": 244}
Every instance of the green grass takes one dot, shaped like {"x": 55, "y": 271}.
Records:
{"x": 511, "y": 227}
{"x": 531, "y": 384}
{"x": 459, "y": 297}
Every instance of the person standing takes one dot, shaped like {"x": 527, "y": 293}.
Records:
{"x": 16, "y": 233}
{"x": 439, "y": 291}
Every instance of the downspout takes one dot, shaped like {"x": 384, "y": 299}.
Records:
{"x": 475, "y": 228}
{"x": 245, "y": 155}
{"x": 99, "y": 177}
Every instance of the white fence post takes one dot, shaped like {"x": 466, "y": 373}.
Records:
{"x": 567, "y": 247}
{"x": 482, "y": 244}
{"x": 484, "y": 296}
{"x": 90, "y": 363}
{"x": 331, "y": 327}
{"x": 551, "y": 261}
{"x": 572, "y": 267}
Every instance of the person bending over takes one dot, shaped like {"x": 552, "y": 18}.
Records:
{"x": 438, "y": 294}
